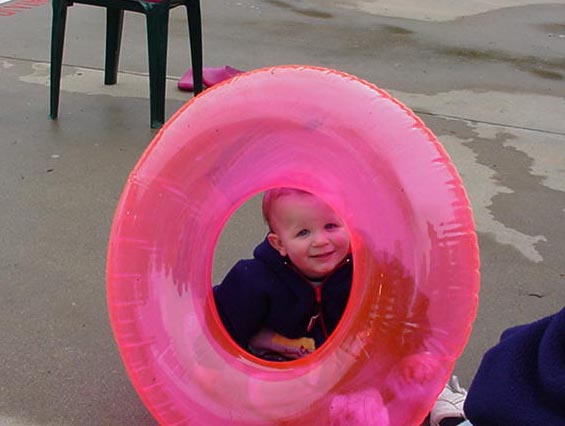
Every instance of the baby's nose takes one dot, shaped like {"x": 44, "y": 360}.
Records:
{"x": 320, "y": 239}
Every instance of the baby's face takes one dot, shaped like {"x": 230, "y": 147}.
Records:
{"x": 309, "y": 232}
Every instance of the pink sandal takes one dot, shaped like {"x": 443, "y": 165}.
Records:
{"x": 217, "y": 75}
{"x": 186, "y": 82}
{"x": 210, "y": 77}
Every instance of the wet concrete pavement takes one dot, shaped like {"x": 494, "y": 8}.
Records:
{"x": 488, "y": 79}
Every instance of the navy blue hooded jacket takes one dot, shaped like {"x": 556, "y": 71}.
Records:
{"x": 521, "y": 381}
{"x": 269, "y": 292}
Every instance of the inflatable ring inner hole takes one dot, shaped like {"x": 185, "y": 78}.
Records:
{"x": 242, "y": 232}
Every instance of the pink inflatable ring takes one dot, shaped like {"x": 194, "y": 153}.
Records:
{"x": 414, "y": 293}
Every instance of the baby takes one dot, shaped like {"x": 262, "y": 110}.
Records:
{"x": 287, "y": 300}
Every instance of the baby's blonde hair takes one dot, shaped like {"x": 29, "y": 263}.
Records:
{"x": 269, "y": 198}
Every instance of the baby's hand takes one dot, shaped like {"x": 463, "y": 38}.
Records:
{"x": 420, "y": 367}
{"x": 267, "y": 340}
{"x": 294, "y": 348}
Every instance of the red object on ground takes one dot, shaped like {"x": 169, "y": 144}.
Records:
{"x": 210, "y": 77}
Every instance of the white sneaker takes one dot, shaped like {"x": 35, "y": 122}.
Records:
{"x": 449, "y": 402}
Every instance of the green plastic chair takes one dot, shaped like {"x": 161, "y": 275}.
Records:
{"x": 157, "y": 17}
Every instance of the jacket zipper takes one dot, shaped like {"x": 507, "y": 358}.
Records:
{"x": 318, "y": 293}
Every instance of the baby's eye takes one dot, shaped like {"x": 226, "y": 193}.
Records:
{"x": 331, "y": 226}
{"x": 302, "y": 233}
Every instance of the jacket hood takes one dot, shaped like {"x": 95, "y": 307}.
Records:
{"x": 267, "y": 254}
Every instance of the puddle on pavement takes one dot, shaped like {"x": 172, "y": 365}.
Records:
{"x": 529, "y": 64}
{"x": 495, "y": 175}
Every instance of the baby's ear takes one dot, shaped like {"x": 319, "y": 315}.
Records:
{"x": 276, "y": 243}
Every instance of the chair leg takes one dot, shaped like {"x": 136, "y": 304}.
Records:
{"x": 57, "y": 43}
{"x": 157, "y": 39}
{"x": 114, "y": 26}
{"x": 195, "y": 34}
